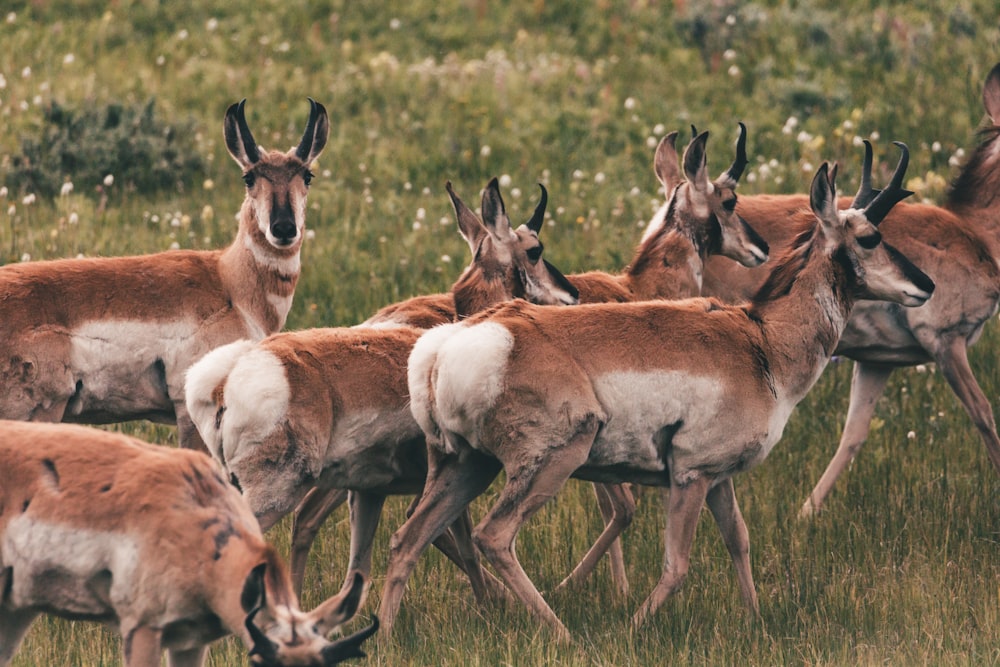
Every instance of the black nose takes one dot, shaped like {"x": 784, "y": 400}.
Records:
{"x": 283, "y": 230}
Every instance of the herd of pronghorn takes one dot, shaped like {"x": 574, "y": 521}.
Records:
{"x": 642, "y": 380}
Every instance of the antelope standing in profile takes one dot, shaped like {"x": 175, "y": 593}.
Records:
{"x": 698, "y": 222}
{"x": 682, "y": 395}
{"x": 153, "y": 542}
{"x": 328, "y": 409}
{"x": 109, "y": 339}
{"x": 957, "y": 244}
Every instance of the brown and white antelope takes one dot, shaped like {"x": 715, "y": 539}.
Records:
{"x": 699, "y": 221}
{"x": 678, "y": 394}
{"x": 109, "y": 339}
{"x": 328, "y": 409}
{"x": 957, "y": 244}
{"x": 154, "y": 542}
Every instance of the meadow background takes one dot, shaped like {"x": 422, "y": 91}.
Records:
{"x": 111, "y": 143}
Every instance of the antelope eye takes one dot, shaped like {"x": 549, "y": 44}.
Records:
{"x": 307, "y": 176}
{"x": 534, "y": 254}
{"x": 729, "y": 205}
{"x": 249, "y": 180}
{"x": 870, "y": 241}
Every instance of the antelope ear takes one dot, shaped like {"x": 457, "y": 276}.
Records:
{"x": 991, "y": 94}
{"x": 665, "y": 163}
{"x": 695, "y": 163}
{"x": 341, "y": 607}
{"x": 239, "y": 139}
{"x": 823, "y": 196}
{"x": 253, "y": 595}
{"x": 494, "y": 212}
{"x": 469, "y": 226}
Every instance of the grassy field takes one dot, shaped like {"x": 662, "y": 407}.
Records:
{"x": 902, "y": 567}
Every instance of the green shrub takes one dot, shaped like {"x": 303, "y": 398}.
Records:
{"x": 84, "y": 146}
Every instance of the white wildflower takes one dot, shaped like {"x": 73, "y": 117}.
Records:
{"x": 505, "y": 180}
{"x": 29, "y": 199}
{"x": 69, "y": 59}
{"x": 66, "y": 188}
{"x": 421, "y": 213}
{"x": 599, "y": 177}
{"x": 211, "y": 24}
{"x": 109, "y": 180}
{"x": 630, "y": 103}
{"x": 446, "y": 259}
{"x": 25, "y": 257}
{"x": 310, "y": 234}
{"x": 485, "y": 151}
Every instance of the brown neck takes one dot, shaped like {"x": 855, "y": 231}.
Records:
{"x": 802, "y": 310}
{"x": 260, "y": 278}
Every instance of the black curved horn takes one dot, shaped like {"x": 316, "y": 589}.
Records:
{"x": 348, "y": 647}
{"x": 245, "y": 135}
{"x": 535, "y": 224}
{"x": 312, "y": 142}
{"x": 865, "y": 193}
{"x": 262, "y": 646}
{"x": 740, "y": 162}
{"x": 893, "y": 193}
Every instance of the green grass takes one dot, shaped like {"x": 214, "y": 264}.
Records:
{"x": 901, "y": 568}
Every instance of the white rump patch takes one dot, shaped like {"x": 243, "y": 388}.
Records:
{"x": 257, "y": 395}
{"x": 202, "y": 378}
{"x": 419, "y": 370}
{"x": 470, "y": 375}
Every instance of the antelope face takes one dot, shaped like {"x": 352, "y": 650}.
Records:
{"x": 737, "y": 240}
{"x": 276, "y": 182}
{"x": 874, "y": 269}
{"x": 276, "y": 190}
{"x": 882, "y": 272}
{"x": 284, "y": 636}
{"x": 543, "y": 283}
{"x": 710, "y": 206}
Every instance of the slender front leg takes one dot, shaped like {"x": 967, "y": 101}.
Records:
{"x": 682, "y": 517}
{"x": 310, "y": 515}
{"x": 142, "y": 647}
{"x": 722, "y": 501}
{"x": 617, "y": 508}
{"x": 953, "y": 361}
{"x": 528, "y": 488}
{"x": 13, "y": 626}
{"x": 453, "y": 481}
{"x": 366, "y": 510}
{"x": 867, "y": 386}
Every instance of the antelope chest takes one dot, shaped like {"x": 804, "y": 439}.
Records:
{"x": 71, "y": 571}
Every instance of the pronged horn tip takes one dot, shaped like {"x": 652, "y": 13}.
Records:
{"x": 893, "y": 193}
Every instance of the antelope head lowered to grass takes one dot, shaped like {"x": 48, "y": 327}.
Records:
{"x": 329, "y": 409}
{"x": 154, "y": 542}
{"x": 109, "y": 339}
{"x": 682, "y": 395}
{"x": 957, "y": 244}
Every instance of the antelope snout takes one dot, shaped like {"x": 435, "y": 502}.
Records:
{"x": 284, "y": 231}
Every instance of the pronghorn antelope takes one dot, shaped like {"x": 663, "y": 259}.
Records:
{"x": 957, "y": 244}
{"x": 154, "y": 542}
{"x": 328, "y": 409}
{"x": 677, "y": 394}
{"x": 109, "y": 339}
{"x": 700, "y": 221}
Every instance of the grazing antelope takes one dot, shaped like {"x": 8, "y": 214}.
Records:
{"x": 699, "y": 221}
{"x": 153, "y": 542}
{"x": 109, "y": 339}
{"x": 676, "y": 394}
{"x": 957, "y": 244}
{"x": 329, "y": 408}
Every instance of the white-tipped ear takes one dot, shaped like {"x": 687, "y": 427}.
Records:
{"x": 469, "y": 226}
{"x": 665, "y": 164}
{"x": 823, "y": 195}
